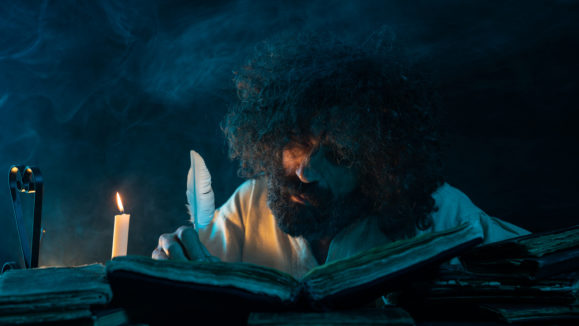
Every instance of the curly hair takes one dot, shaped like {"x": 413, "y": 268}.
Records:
{"x": 375, "y": 113}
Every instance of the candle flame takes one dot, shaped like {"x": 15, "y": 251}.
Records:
{"x": 120, "y": 203}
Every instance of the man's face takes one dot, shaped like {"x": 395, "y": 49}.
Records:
{"x": 312, "y": 195}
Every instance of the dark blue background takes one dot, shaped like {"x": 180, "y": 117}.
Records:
{"x": 109, "y": 96}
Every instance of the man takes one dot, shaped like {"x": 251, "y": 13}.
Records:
{"x": 342, "y": 154}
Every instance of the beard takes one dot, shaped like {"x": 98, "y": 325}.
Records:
{"x": 321, "y": 216}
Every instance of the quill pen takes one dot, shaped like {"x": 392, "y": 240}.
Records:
{"x": 200, "y": 196}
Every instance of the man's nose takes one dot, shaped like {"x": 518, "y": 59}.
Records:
{"x": 308, "y": 170}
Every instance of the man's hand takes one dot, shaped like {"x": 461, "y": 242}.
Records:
{"x": 184, "y": 245}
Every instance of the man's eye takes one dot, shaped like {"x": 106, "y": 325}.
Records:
{"x": 334, "y": 157}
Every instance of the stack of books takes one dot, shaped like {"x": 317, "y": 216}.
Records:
{"x": 531, "y": 279}
{"x": 528, "y": 279}
{"x": 56, "y": 294}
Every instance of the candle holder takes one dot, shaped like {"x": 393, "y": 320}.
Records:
{"x": 27, "y": 180}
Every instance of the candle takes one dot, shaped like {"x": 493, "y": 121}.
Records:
{"x": 121, "y": 232}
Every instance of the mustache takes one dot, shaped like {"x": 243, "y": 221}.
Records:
{"x": 291, "y": 185}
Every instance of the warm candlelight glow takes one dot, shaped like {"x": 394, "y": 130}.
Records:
{"x": 120, "y": 203}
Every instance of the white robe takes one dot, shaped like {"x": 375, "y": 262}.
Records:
{"x": 244, "y": 230}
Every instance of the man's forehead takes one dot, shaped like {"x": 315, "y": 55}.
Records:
{"x": 306, "y": 139}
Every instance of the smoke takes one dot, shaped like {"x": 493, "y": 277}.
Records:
{"x": 107, "y": 96}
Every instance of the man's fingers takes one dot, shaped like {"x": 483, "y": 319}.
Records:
{"x": 183, "y": 244}
{"x": 189, "y": 238}
{"x": 159, "y": 254}
{"x": 170, "y": 245}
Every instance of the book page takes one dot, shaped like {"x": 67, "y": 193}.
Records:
{"x": 386, "y": 260}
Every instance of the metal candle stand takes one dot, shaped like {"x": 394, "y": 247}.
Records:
{"x": 28, "y": 180}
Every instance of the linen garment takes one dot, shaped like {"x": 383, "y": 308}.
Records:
{"x": 245, "y": 230}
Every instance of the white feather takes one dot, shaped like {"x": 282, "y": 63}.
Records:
{"x": 200, "y": 195}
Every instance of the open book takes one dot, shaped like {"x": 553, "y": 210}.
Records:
{"x": 140, "y": 282}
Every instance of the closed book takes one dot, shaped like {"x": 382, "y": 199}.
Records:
{"x": 52, "y": 294}
{"x": 532, "y": 257}
{"x": 530, "y": 245}
{"x": 386, "y": 316}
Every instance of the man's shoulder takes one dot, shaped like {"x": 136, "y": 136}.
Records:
{"x": 246, "y": 203}
{"x": 452, "y": 206}
{"x": 249, "y": 195}
{"x": 446, "y": 192}
{"x": 251, "y": 187}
